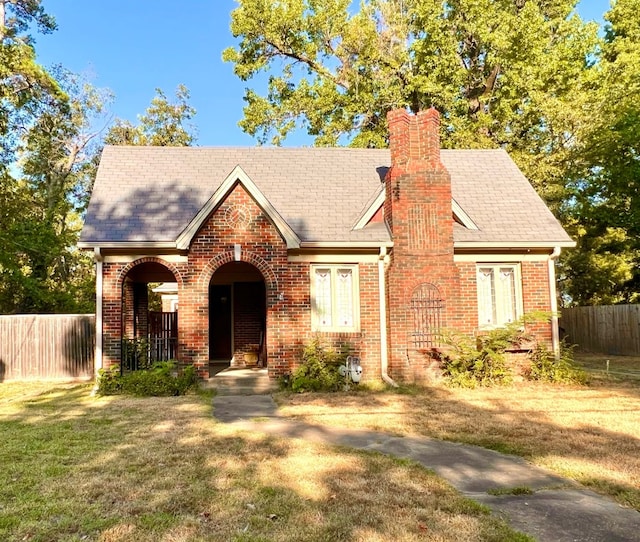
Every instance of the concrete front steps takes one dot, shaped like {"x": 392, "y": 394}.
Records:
{"x": 242, "y": 381}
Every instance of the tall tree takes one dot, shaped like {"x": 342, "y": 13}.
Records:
{"x": 163, "y": 123}
{"x": 507, "y": 73}
{"x": 42, "y": 271}
{"x": 525, "y": 75}
{"x": 604, "y": 210}
{"x": 24, "y": 84}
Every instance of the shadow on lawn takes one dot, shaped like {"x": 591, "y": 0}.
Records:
{"x": 150, "y": 469}
{"x": 531, "y": 433}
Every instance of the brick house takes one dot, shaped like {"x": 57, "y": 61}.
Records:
{"x": 378, "y": 250}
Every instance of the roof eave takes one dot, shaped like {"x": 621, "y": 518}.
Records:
{"x": 346, "y": 244}
{"x": 513, "y": 245}
{"x": 90, "y": 245}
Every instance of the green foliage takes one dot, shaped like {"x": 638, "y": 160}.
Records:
{"x": 602, "y": 210}
{"x": 110, "y": 381}
{"x": 546, "y": 368}
{"x": 161, "y": 379}
{"x": 26, "y": 85}
{"x": 527, "y": 76}
{"x": 47, "y": 162}
{"x": 503, "y": 73}
{"x": 135, "y": 354}
{"x": 483, "y": 361}
{"x": 318, "y": 370}
{"x": 163, "y": 124}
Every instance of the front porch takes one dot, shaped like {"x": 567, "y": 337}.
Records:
{"x": 234, "y": 331}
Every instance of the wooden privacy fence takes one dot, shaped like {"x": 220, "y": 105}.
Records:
{"x": 46, "y": 346}
{"x": 606, "y": 329}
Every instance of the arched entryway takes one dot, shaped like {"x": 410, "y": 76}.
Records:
{"x": 150, "y": 315}
{"x": 237, "y": 317}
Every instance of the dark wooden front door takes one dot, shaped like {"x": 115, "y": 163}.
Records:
{"x": 220, "y": 319}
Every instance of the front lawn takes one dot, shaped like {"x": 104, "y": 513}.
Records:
{"x": 589, "y": 434}
{"x": 120, "y": 469}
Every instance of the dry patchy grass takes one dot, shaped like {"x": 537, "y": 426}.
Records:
{"x": 119, "y": 469}
{"x": 610, "y": 367}
{"x": 589, "y": 434}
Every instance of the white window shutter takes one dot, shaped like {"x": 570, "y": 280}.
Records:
{"x": 344, "y": 297}
{"x": 486, "y": 297}
{"x": 323, "y": 297}
{"x": 507, "y": 297}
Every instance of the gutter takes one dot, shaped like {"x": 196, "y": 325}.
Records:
{"x": 553, "y": 294}
{"x": 384, "y": 353}
{"x": 99, "y": 291}
{"x": 345, "y": 244}
{"x": 88, "y": 245}
{"x": 513, "y": 245}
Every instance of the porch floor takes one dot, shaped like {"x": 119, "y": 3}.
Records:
{"x": 241, "y": 381}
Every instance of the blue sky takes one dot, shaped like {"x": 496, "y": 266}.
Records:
{"x": 134, "y": 46}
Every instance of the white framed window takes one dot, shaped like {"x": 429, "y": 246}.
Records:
{"x": 499, "y": 294}
{"x": 335, "y": 298}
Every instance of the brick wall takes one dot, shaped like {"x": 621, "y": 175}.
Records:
{"x": 119, "y": 316}
{"x": 364, "y": 343}
{"x": 238, "y": 221}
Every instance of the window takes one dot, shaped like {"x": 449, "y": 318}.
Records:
{"x": 499, "y": 294}
{"x": 334, "y": 298}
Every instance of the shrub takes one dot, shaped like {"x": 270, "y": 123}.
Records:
{"x": 110, "y": 381}
{"x": 319, "y": 369}
{"x": 482, "y": 362}
{"x": 546, "y": 368}
{"x": 162, "y": 379}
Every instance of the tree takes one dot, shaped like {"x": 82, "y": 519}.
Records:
{"x": 42, "y": 271}
{"x": 24, "y": 84}
{"x": 163, "y": 123}
{"x": 510, "y": 74}
{"x": 49, "y": 150}
{"x": 604, "y": 209}
{"x": 525, "y": 75}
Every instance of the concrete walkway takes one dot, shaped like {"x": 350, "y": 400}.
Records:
{"x": 559, "y": 510}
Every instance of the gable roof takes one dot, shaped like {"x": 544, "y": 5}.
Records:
{"x": 237, "y": 176}
{"x": 158, "y": 196}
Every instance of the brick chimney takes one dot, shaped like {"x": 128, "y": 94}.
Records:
{"x": 418, "y": 199}
{"x": 422, "y": 280}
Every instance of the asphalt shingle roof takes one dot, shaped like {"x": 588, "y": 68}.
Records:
{"x": 151, "y": 194}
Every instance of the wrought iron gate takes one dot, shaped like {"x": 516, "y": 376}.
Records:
{"x": 160, "y": 344}
{"x": 425, "y": 316}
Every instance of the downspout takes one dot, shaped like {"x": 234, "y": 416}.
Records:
{"x": 553, "y": 294}
{"x": 99, "y": 290}
{"x": 382, "y": 292}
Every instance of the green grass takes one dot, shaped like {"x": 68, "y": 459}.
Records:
{"x": 610, "y": 367}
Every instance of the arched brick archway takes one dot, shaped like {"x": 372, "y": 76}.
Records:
{"x": 148, "y": 333}
{"x": 241, "y": 293}
{"x": 270, "y": 279}
{"x": 150, "y": 259}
